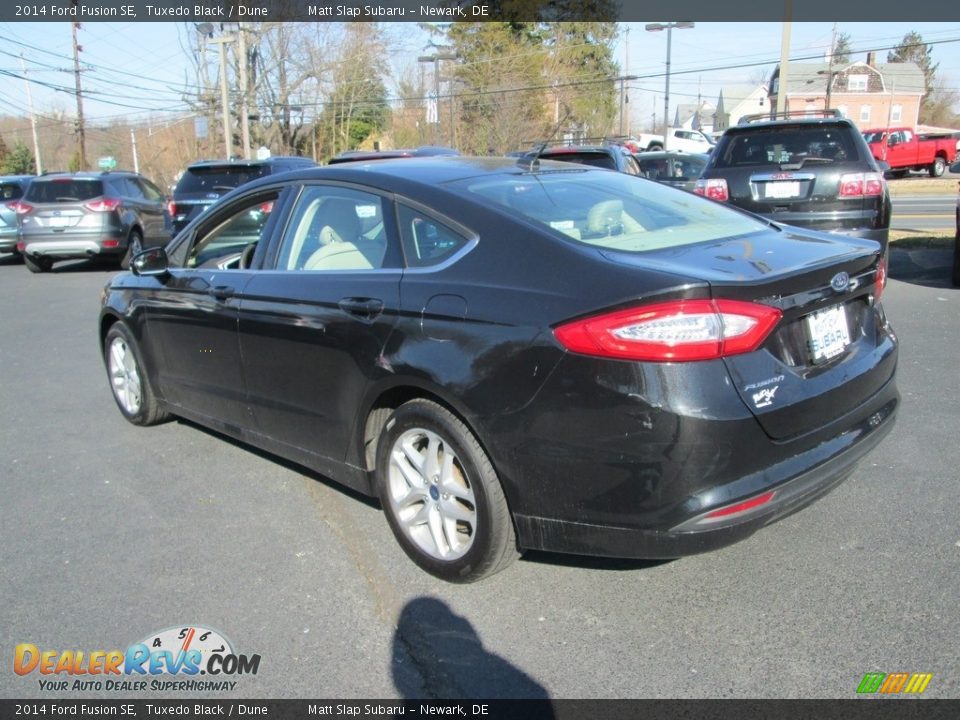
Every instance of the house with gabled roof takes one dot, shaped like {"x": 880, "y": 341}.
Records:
{"x": 735, "y": 101}
{"x": 871, "y": 94}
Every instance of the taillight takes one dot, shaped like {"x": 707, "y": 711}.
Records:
{"x": 881, "y": 280}
{"x": 103, "y": 205}
{"x": 679, "y": 331}
{"x": 712, "y": 188}
{"x": 861, "y": 184}
{"x": 171, "y": 208}
{"x": 20, "y": 207}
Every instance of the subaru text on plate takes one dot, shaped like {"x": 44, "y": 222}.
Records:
{"x": 516, "y": 356}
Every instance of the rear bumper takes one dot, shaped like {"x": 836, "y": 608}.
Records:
{"x": 796, "y": 482}
{"x": 67, "y": 246}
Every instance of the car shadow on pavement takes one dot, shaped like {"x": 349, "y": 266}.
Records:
{"x": 928, "y": 263}
{"x": 10, "y": 259}
{"x": 438, "y": 654}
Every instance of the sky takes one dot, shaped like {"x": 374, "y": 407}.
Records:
{"x": 138, "y": 71}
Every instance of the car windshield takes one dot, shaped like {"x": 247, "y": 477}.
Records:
{"x": 872, "y": 137}
{"x": 612, "y": 210}
{"x": 64, "y": 190}
{"x": 218, "y": 177}
{"x": 794, "y": 145}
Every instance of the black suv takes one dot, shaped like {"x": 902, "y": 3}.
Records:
{"x": 205, "y": 182}
{"x": 111, "y": 214}
{"x": 612, "y": 157}
{"x": 815, "y": 172}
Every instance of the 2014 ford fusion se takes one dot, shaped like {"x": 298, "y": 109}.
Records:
{"x": 516, "y": 356}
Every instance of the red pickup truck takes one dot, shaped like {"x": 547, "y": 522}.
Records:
{"x": 904, "y": 150}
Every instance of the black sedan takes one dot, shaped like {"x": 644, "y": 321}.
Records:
{"x": 510, "y": 358}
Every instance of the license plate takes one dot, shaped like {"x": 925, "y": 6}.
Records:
{"x": 827, "y": 333}
{"x": 783, "y": 189}
{"x": 59, "y": 221}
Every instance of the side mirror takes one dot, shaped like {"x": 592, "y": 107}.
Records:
{"x": 150, "y": 263}
{"x": 892, "y": 141}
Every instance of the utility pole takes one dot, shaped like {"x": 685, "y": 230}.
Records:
{"x": 133, "y": 142}
{"x": 81, "y": 137}
{"x": 244, "y": 87}
{"x": 224, "y": 94}
{"x": 37, "y": 164}
{"x": 784, "y": 57}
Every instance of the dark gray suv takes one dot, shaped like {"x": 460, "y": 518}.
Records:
{"x": 206, "y": 181}
{"x": 798, "y": 169}
{"x": 65, "y": 216}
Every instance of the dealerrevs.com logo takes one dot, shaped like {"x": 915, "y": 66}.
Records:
{"x": 172, "y": 659}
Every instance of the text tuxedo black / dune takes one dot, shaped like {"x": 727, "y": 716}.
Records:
{"x": 516, "y": 356}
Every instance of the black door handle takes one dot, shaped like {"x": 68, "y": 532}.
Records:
{"x": 221, "y": 292}
{"x": 367, "y": 308}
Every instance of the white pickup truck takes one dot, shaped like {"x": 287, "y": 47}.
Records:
{"x": 678, "y": 139}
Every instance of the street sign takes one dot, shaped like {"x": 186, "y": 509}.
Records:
{"x": 107, "y": 163}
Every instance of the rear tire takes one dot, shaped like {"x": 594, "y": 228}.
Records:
{"x": 128, "y": 381}
{"x": 441, "y": 495}
{"x": 37, "y": 264}
{"x": 134, "y": 246}
{"x": 938, "y": 167}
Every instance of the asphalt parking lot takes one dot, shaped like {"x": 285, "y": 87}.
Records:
{"x": 110, "y": 533}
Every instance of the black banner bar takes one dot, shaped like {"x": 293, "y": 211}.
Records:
{"x": 856, "y": 709}
{"x": 473, "y": 10}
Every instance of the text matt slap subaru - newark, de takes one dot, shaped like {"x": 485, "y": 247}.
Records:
{"x": 516, "y": 356}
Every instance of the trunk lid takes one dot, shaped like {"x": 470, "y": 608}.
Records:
{"x": 831, "y": 350}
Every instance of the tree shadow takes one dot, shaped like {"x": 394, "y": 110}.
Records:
{"x": 438, "y": 655}
{"x": 928, "y": 262}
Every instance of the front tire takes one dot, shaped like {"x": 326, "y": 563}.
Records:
{"x": 441, "y": 495}
{"x": 938, "y": 167}
{"x": 128, "y": 381}
{"x": 37, "y": 264}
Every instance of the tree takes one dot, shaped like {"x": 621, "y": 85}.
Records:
{"x": 912, "y": 49}
{"x": 842, "y": 49}
{"x": 19, "y": 161}
{"x": 4, "y": 154}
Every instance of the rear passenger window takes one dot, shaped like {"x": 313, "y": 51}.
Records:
{"x": 426, "y": 241}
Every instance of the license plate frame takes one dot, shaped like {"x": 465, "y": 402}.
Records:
{"x": 828, "y": 333}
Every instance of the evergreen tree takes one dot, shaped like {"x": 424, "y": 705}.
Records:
{"x": 842, "y": 49}
{"x": 912, "y": 49}
{"x": 19, "y": 161}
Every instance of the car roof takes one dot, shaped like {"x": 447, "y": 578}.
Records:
{"x": 430, "y": 170}
{"x": 241, "y": 162}
{"x": 791, "y": 122}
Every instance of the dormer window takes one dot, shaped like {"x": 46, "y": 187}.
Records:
{"x": 857, "y": 83}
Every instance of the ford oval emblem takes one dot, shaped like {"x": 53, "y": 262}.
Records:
{"x": 840, "y": 281}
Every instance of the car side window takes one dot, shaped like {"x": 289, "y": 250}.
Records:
{"x": 235, "y": 236}
{"x": 426, "y": 241}
{"x": 150, "y": 191}
{"x": 334, "y": 229}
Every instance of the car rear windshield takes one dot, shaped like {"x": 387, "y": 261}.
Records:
{"x": 596, "y": 159}
{"x": 218, "y": 178}
{"x": 611, "y": 210}
{"x": 55, "y": 190}
{"x": 786, "y": 145}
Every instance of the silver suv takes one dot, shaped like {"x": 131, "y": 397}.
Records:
{"x": 66, "y": 216}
